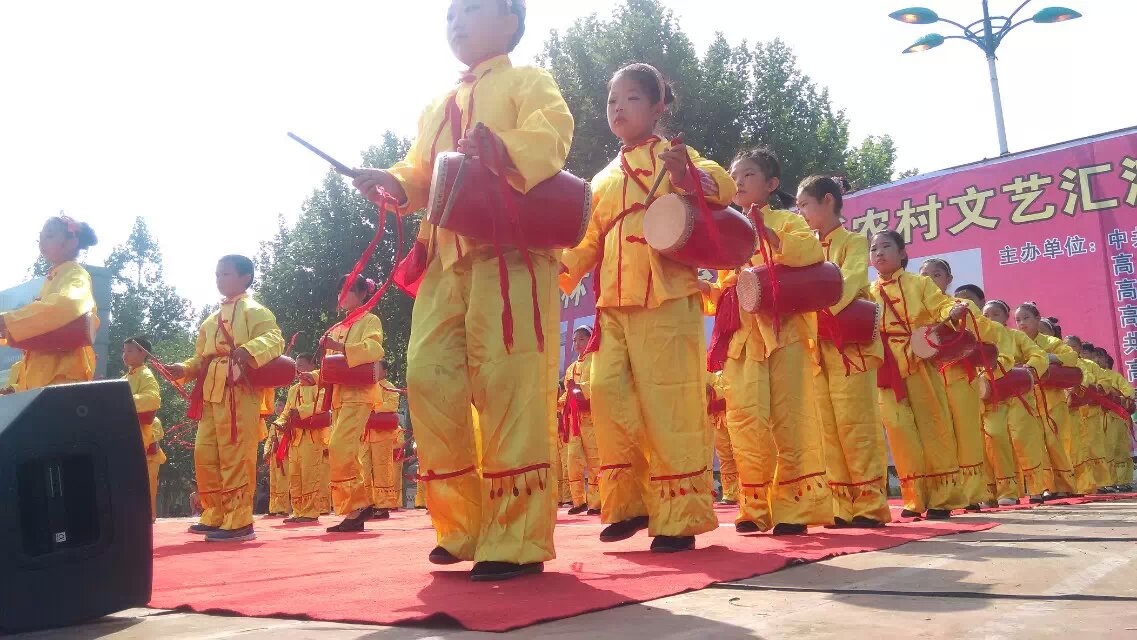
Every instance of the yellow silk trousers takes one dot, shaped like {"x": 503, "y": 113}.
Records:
{"x": 728, "y": 470}
{"x": 1119, "y": 458}
{"x": 856, "y": 462}
{"x": 649, "y": 408}
{"x": 1094, "y": 423}
{"x": 1000, "y": 452}
{"x": 306, "y": 472}
{"x": 456, "y": 353}
{"x": 223, "y": 467}
{"x": 1058, "y": 430}
{"x": 967, "y": 418}
{"x": 345, "y": 456}
{"x": 324, "y": 500}
{"x": 380, "y": 468}
{"x": 1029, "y": 444}
{"x": 771, "y": 412}
{"x": 1073, "y": 435}
{"x": 564, "y": 490}
{"x": 153, "y": 462}
{"x": 584, "y": 465}
{"x": 278, "y": 501}
{"x": 922, "y": 439}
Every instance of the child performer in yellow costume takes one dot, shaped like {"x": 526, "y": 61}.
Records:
{"x": 771, "y": 402}
{"x": 381, "y": 436}
{"x": 63, "y": 300}
{"x": 648, "y": 383}
{"x": 583, "y": 454}
{"x": 1093, "y": 419}
{"x": 728, "y": 469}
{"x": 962, "y": 382}
{"x": 306, "y": 439}
{"x": 913, "y": 398}
{"x": 147, "y": 401}
{"x": 1075, "y": 441}
{"x": 239, "y": 335}
{"x": 361, "y": 343}
{"x": 855, "y": 455}
{"x": 278, "y": 501}
{"x": 458, "y": 349}
{"x": 1119, "y": 456}
{"x": 1057, "y": 422}
{"x": 1023, "y": 421}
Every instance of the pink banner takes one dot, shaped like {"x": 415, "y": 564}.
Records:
{"x": 1056, "y": 226}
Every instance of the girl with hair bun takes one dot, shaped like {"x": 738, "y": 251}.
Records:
{"x": 913, "y": 398}
{"x": 648, "y": 379}
{"x": 1058, "y": 423}
{"x": 1025, "y": 430}
{"x": 57, "y": 329}
{"x": 855, "y": 457}
{"x": 360, "y": 343}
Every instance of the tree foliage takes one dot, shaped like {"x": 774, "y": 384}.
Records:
{"x": 143, "y": 304}
{"x": 730, "y": 98}
{"x": 300, "y": 268}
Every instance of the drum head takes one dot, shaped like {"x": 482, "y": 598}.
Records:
{"x": 920, "y": 347}
{"x": 668, "y": 223}
{"x": 749, "y": 290}
{"x": 439, "y": 189}
{"x": 984, "y": 388}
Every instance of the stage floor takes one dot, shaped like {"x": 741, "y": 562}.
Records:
{"x": 1077, "y": 576}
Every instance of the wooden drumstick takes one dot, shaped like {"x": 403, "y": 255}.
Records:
{"x": 340, "y": 167}
{"x": 659, "y": 179}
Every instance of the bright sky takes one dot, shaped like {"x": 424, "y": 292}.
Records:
{"x": 178, "y": 111}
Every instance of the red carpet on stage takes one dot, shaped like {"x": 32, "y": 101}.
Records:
{"x": 382, "y": 576}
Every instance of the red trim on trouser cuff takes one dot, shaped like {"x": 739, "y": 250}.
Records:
{"x": 799, "y": 479}
{"x": 514, "y": 472}
{"x": 430, "y": 475}
{"x": 608, "y": 467}
{"x": 855, "y": 484}
{"x": 679, "y": 476}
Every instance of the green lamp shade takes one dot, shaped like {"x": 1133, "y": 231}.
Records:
{"x": 915, "y": 15}
{"x": 930, "y": 41}
{"x": 1055, "y": 14}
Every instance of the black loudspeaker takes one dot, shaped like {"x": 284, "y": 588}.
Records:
{"x": 75, "y": 532}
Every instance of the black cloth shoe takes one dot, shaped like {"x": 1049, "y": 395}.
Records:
{"x": 973, "y": 508}
{"x": 861, "y": 522}
{"x": 746, "y": 526}
{"x": 672, "y": 544}
{"x": 380, "y": 514}
{"x": 492, "y": 570}
{"x": 353, "y": 525}
{"x": 939, "y": 514}
{"x": 1036, "y": 500}
{"x": 839, "y": 523}
{"x": 232, "y": 535}
{"x": 577, "y": 510}
{"x": 593, "y": 512}
{"x": 300, "y": 520}
{"x": 909, "y": 514}
{"x": 624, "y": 529}
{"x": 438, "y": 555}
{"x": 787, "y": 529}
{"x": 202, "y": 529}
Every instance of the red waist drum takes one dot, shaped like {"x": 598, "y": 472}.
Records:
{"x": 942, "y": 343}
{"x": 1016, "y": 382}
{"x": 716, "y": 406}
{"x": 278, "y": 372}
{"x": 1061, "y": 377}
{"x": 76, "y": 334}
{"x": 334, "y": 370}
{"x": 577, "y": 401}
{"x": 146, "y": 417}
{"x": 316, "y": 421}
{"x": 799, "y": 289}
{"x": 383, "y": 422}
{"x": 858, "y": 323}
{"x": 465, "y": 198}
{"x": 675, "y": 227}
{"x": 985, "y": 356}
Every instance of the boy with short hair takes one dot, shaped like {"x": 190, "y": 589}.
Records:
{"x": 503, "y": 518}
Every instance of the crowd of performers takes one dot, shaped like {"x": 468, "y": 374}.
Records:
{"x": 792, "y": 392}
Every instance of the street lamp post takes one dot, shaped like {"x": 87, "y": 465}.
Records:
{"x": 987, "y": 34}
